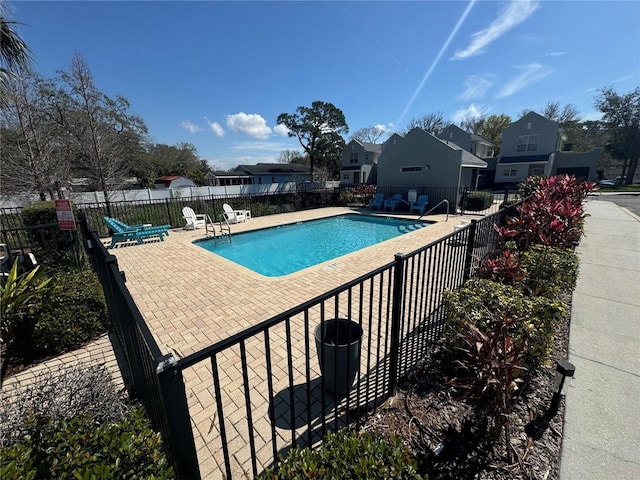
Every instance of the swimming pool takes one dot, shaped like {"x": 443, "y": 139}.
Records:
{"x": 285, "y": 249}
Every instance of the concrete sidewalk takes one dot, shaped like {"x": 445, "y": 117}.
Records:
{"x": 601, "y": 436}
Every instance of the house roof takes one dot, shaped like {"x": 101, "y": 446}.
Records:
{"x": 350, "y": 167}
{"x": 471, "y": 161}
{"x": 167, "y": 179}
{"x": 524, "y": 159}
{"x": 468, "y": 159}
{"x": 372, "y": 147}
{"x": 368, "y": 147}
{"x": 479, "y": 138}
{"x": 270, "y": 168}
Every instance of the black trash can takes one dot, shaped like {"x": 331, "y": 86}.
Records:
{"x": 338, "y": 347}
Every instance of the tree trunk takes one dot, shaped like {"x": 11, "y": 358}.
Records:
{"x": 631, "y": 172}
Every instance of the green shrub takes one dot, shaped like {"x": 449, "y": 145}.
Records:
{"x": 39, "y": 213}
{"x": 347, "y": 455}
{"x": 549, "y": 271}
{"x": 480, "y": 301}
{"x": 70, "y": 314}
{"x": 346, "y": 197}
{"x": 476, "y": 201}
{"x": 82, "y": 448}
{"x": 54, "y": 248}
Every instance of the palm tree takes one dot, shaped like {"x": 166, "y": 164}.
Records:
{"x": 14, "y": 52}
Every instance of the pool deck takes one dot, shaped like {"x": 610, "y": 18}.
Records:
{"x": 192, "y": 298}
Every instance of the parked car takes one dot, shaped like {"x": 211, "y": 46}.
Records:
{"x": 607, "y": 183}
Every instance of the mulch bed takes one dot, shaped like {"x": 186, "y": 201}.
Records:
{"x": 436, "y": 423}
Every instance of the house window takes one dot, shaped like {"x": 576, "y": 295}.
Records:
{"x": 345, "y": 176}
{"x": 411, "y": 169}
{"x": 353, "y": 157}
{"x": 528, "y": 143}
{"x": 273, "y": 179}
{"x": 259, "y": 180}
{"x": 537, "y": 171}
{"x": 509, "y": 172}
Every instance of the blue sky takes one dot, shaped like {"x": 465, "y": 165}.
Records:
{"x": 217, "y": 74}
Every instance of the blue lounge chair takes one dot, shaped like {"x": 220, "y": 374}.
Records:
{"x": 123, "y": 232}
{"x": 394, "y": 201}
{"x": 377, "y": 201}
{"x": 420, "y": 205}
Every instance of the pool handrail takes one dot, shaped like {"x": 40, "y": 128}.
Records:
{"x": 438, "y": 204}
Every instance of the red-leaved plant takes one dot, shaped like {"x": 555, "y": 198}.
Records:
{"x": 501, "y": 266}
{"x": 490, "y": 365}
{"x": 553, "y": 215}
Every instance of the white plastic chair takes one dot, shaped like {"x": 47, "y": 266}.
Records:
{"x": 195, "y": 220}
{"x": 233, "y": 216}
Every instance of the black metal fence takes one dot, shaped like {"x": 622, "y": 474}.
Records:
{"x": 154, "y": 383}
{"x": 244, "y": 400}
{"x": 169, "y": 211}
{"x": 50, "y": 245}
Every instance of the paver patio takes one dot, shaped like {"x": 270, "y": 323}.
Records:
{"x": 191, "y": 298}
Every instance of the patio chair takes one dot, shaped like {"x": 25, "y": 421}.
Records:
{"x": 123, "y": 232}
{"x": 233, "y": 216}
{"x": 420, "y": 205}
{"x": 377, "y": 201}
{"x": 195, "y": 220}
{"x": 393, "y": 202}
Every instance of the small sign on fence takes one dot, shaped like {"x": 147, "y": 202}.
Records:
{"x": 65, "y": 215}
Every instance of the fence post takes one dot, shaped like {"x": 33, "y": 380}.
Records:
{"x": 506, "y": 195}
{"x": 396, "y": 318}
{"x": 471, "y": 243}
{"x": 178, "y": 422}
{"x": 169, "y": 210}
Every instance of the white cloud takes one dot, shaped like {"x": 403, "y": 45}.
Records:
{"x": 514, "y": 13}
{"x": 476, "y": 86}
{"x": 281, "y": 130}
{"x": 215, "y": 127}
{"x": 250, "y": 124}
{"x": 261, "y": 146}
{"x": 530, "y": 74}
{"x": 192, "y": 127}
{"x": 470, "y": 112}
{"x": 555, "y": 54}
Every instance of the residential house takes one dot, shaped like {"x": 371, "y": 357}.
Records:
{"x": 359, "y": 161}
{"x": 478, "y": 145}
{"x": 260, "y": 174}
{"x": 535, "y": 145}
{"x": 173, "y": 181}
{"x": 422, "y": 162}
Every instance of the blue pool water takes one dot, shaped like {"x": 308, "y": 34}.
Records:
{"x": 286, "y": 249}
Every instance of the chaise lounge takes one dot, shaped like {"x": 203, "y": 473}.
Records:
{"x": 124, "y": 233}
